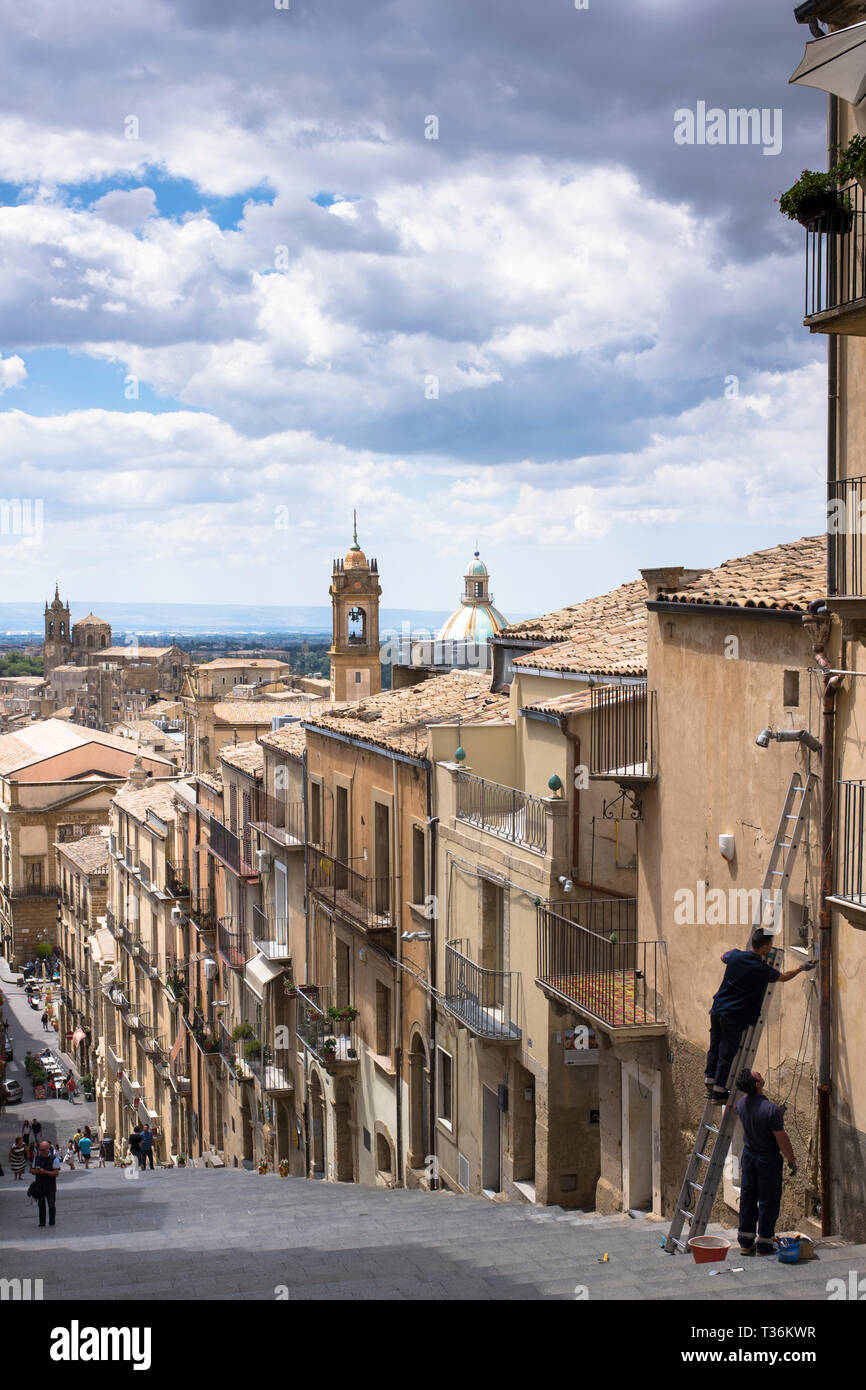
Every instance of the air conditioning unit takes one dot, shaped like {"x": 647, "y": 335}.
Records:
{"x": 210, "y": 969}
{"x": 263, "y": 861}
{"x": 176, "y": 914}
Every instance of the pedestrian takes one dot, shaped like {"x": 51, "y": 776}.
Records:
{"x": 70, "y": 1087}
{"x": 36, "y": 1131}
{"x": 84, "y": 1147}
{"x": 45, "y": 1020}
{"x": 69, "y": 1156}
{"x": 147, "y": 1148}
{"x": 18, "y": 1159}
{"x": 765, "y": 1145}
{"x": 103, "y": 1150}
{"x": 76, "y": 1139}
{"x": 737, "y": 1005}
{"x": 135, "y": 1145}
{"x": 25, "y": 1133}
{"x": 45, "y": 1168}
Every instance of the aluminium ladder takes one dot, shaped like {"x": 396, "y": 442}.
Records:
{"x": 716, "y": 1129}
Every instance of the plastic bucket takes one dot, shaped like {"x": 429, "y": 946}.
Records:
{"x": 708, "y": 1248}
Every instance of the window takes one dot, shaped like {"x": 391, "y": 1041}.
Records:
{"x": 33, "y": 875}
{"x": 419, "y": 877}
{"x": 492, "y": 927}
{"x": 383, "y": 1154}
{"x": 357, "y": 677}
{"x": 444, "y": 1088}
{"x": 383, "y": 1020}
{"x": 791, "y": 687}
{"x": 316, "y": 812}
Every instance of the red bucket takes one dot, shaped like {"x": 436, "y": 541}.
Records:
{"x": 708, "y": 1248}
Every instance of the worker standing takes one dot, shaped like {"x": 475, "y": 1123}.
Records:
{"x": 765, "y": 1145}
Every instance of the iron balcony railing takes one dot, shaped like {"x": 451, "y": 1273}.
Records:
{"x": 369, "y": 902}
{"x": 613, "y": 918}
{"x": 203, "y": 913}
{"x": 204, "y": 1036}
{"x": 504, "y": 811}
{"x": 35, "y": 889}
{"x": 614, "y": 982}
{"x": 836, "y": 256}
{"x": 176, "y": 879}
{"x": 235, "y": 851}
{"x": 329, "y": 1037}
{"x": 479, "y": 997}
{"x": 178, "y": 1072}
{"x": 846, "y": 524}
{"x": 851, "y": 842}
{"x": 138, "y": 1019}
{"x": 271, "y": 934}
{"x": 146, "y": 960}
{"x": 145, "y": 875}
{"x": 621, "y": 731}
{"x": 282, "y": 821}
{"x": 176, "y": 973}
{"x": 118, "y": 998}
{"x": 232, "y": 943}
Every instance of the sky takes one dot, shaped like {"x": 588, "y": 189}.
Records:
{"x": 448, "y": 264}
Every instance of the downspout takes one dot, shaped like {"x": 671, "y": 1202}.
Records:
{"x": 574, "y": 740}
{"x": 433, "y": 826}
{"x": 832, "y": 379}
{"x": 307, "y": 1115}
{"x": 825, "y": 918}
{"x": 398, "y": 914}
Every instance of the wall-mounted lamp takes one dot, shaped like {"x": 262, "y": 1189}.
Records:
{"x": 788, "y": 736}
{"x": 727, "y": 848}
{"x": 565, "y": 883}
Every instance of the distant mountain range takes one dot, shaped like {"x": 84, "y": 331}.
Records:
{"x": 217, "y": 618}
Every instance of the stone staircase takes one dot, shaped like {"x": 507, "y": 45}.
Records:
{"x": 231, "y": 1234}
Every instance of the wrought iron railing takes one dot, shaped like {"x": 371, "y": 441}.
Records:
{"x": 178, "y": 1068}
{"x": 271, "y": 934}
{"x": 34, "y": 889}
{"x": 329, "y": 1037}
{"x": 176, "y": 879}
{"x": 367, "y": 901}
{"x": 235, "y": 851}
{"x": 846, "y": 525}
{"x": 836, "y": 255}
{"x": 616, "y": 982}
{"x": 482, "y": 998}
{"x": 613, "y": 918}
{"x": 851, "y": 842}
{"x": 203, "y": 912}
{"x": 233, "y": 943}
{"x": 138, "y": 1019}
{"x": 504, "y": 811}
{"x": 621, "y": 731}
{"x": 281, "y": 820}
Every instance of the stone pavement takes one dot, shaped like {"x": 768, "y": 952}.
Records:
{"x": 231, "y": 1234}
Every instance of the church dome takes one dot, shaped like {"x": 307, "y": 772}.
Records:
{"x": 476, "y": 620}
{"x": 475, "y": 566}
{"x": 355, "y": 559}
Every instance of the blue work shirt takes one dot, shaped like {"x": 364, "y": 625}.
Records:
{"x": 741, "y": 992}
{"x": 759, "y": 1117}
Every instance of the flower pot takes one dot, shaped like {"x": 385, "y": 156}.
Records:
{"x": 824, "y": 212}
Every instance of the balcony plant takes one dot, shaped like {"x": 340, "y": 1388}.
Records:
{"x": 329, "y": 1048}
{"x": 241, "y": 1031}
{"x": 814, "y": 202}
{"x": 851, "y": 161}
{"x": 346, "y": 1015}
{"x": 252, "y": 1049}
{"x": 290, "y": 987}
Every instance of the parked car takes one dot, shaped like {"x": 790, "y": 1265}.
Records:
{"x": 14, "y": 1092}
{"x": 7, "y": 1048}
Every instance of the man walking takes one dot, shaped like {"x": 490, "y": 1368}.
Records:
{"x": 766, "y": 1144}
{"x": 147, "y": 1148}
{"x": 46, "y": 1165}
{"x": 85, "y": 1144}
{"x": 45, "y": 1020}
{"x": 135, "y": 1145}
{"x": 737, "y": 1005}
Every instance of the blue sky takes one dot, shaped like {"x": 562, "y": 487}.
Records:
{"x": 548, "y": 328}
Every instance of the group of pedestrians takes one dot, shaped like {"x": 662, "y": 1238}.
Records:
{"x": 141, "y": 1146}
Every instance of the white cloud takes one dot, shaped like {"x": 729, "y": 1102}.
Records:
{"x": 12, "y": 372}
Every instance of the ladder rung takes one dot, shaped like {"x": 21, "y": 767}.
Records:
{"x": 687, "y": 1214}
{"x": 705, "y": 1157}
{"x": 697, "y": 1186}
{"x": 712, "y": 1129}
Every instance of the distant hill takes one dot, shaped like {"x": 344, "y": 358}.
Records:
{"x": 195, "y": 618}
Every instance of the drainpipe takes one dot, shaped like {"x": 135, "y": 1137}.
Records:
{"x": 825, "y": 956}
{"x": 575, "y": 819}
{"x": 433, "y": 826}
{"x": 398, "y": 1051}
{"x": 832, "y": 378}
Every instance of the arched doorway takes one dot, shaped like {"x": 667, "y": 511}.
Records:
{"x": 343, "y": 1147}
{"x": 419, "y": 1103}
{"x": 318, "y": 1162}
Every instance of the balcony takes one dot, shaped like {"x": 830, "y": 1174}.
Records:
{"x": 846, "y": 525}
{"x": 176, "y": 972}
{"x": 621, "y": 733}
{"x": 366, "y": 902}
{"x": 232, "y": 850}
{"x": 503, "y": 811}
{"x": 479, "y": 998}
{"x": 328, "y": 1037}
{"x": 281, "y": 821}
{"x": 148, "y": 962}
{"x": 203, "y": 913}
{"x": 114, "y": 1059}
{"x": 131, "y": 1090}
{"x": 836, "y": 268}
{"x": 176, "y": 880}
{"x": 271, "y": 935}
{"x": 117, "y": 997}
{"x": 612, "y": 981}
{"x": 181, "y": 1084}
{"x": 203, "y": 1035}
{"x": 850, "y": 895}
{"x": 138, "y": 1020}
{"x": 34, "y": 889}
{"x": 232, "y": 943}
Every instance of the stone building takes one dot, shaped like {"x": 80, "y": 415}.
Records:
{"x": 82, "y": 886}
{"x": 354, "y": 652}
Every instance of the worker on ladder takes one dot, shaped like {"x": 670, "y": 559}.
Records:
{"x": 737, "y": 1005}
{"x": 765, "y": 1144}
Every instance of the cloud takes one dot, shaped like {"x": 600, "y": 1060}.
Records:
{"x": 12, "y": 372}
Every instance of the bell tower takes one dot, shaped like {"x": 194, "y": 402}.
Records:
{"x": 354, "y": 652}
{"x": 57, "y": 641}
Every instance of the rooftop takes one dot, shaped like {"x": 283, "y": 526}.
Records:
{"x": 47, "y": 738}
{"x": 622, "y": 607}
{"x": 398, "y": 719}
{"x": 90, "y": 853}
{"x": 131, "y": 652}
{"x": 227, "y": 663}
{"x": 155, "y": 796}
{"x": 256, "y": 711}
{"x": 789, "y": 576}
{"x": 246, "y": 757}
{"x": 290, "y": 739}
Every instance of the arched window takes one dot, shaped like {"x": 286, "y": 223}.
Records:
{"x": 383, "y": 1154}
{"x": 357, "y": 625}
{"x": 479, "y": 588}
{"x": 50, "y": 629}
{"x": 62, "y": 629}
{"x": 102, "y": 640}
{"x": 90, "y": 639}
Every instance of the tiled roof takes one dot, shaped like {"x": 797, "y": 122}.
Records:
{"x": 47, "y": 738}
{"x": 575, "y": 702}
{"x": 602, "y": 654}
{"x": 246, "y": 757}
{"x": 225, "y": 663}
{"x": 789, "y": 576}
{"x": 210, "y": 779}
{"x": 621, "y": 607}
{"x": 155, "y": 796}
{"x": 132, "y": 652}
{"x": 255, "y": 711}
{"x": 398, "y": 719}
{"x": 90, "y": 853}
{"x": 290, "y": 739}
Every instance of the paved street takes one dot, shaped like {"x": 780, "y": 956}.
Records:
{"x": 231, "y": 1234}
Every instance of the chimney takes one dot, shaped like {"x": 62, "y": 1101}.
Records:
{"x": 137, "y": 775}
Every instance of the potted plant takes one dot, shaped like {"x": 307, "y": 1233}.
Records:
{"x": 815, "y": 203}
{"x": 290, "y": 987}
{"x": 851, "y": 161}
{"x": 329, "y": 1049}
{"x": 87, "y": 1086}
{"x": 241, "y": 1031}
{"x": 252, "y": 1049}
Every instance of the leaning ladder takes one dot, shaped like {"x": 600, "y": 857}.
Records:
{"x": 716, "y": 1129}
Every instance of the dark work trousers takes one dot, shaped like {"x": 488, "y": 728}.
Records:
{"x": 725, "y": 1035}
{"x": 147, "y": 1158}
{"x": 140, "y": 1157}
{"x": 46, "y": 1195}
{"x": 760, "y": 1198}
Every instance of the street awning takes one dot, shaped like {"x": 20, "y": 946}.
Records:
{"x": 259, "y": 972}
{"x": 102, "y": 946}
{"x": 837, "y": 64}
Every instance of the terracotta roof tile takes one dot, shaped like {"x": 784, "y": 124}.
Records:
{"x": 789, "y": 576}
{"x": 246, "y": 757}
{"x": 90, "y": 853}
{"x": 398, "y": 719}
